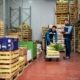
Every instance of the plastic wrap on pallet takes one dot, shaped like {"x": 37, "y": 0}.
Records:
{"x": 8, "y": 44}
{"x": 29, "y": 55}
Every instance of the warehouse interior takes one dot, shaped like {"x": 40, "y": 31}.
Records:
{"x": 24, "y": 25}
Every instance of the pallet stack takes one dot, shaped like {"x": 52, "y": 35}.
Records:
{"x": 61, "y": 18}
{"x": 74, "y": 18}
{"x": 60, "y": 36}
{"x": 73, "y": 11}
{"x": 44, "y": 30}
{"x": 9, "y": 58}
{"x": 67, "y": 9}
{"x": 2, "y": 29}
{"x": 78, "y": 40}
{"x": 62, "y": 12}
{"x": 62, "y": 7}
{"x": 26, "y": 32}
{"x": 22, "y": 58}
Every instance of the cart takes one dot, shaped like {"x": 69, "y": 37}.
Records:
{"x": 51, "y": 54}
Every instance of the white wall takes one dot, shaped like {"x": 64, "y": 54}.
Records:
{"x": 42, "y": 14}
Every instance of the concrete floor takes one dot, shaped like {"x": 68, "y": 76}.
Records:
{"x": 52, "y": 70}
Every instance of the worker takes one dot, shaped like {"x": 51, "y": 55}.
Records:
{"x": 51, "y": 35}
{"x": 67, "y": 33}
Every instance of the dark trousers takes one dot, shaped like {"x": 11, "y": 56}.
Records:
{"x": 68, "y": 47}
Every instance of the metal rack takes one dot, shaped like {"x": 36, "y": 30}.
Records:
{"x": 22, "y": 14}
{"x": 13, "y": 16}
{"x": 17, "y": 14}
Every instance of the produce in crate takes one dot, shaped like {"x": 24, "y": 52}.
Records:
{"x": 53, "y": 49}
{"x": 56, "y": 47}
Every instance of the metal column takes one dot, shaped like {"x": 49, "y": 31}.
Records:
{"x": 20, "y": 16}
{"x": 30, "y": 15}
{"x": 4, "y": 13}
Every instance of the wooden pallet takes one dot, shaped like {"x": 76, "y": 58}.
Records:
{"x": 9, "y": 68}
{"x": 21, "y": 65}
{"x": 8, "y": 64}
{"x": 11, "y": 76}
{"x": 8, "y": 57}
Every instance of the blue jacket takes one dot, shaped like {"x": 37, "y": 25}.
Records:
{"x": 50, "y": 35}
{"x": 69, "y": 30}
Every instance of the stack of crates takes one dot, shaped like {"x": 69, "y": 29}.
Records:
{"x": 62, "y": 8}
{"x": 2, "y": 29}
{"x": 26, "y": 32}
{"x": 68, "y": 8}
{"x": 61, "y": 18}
{"x": 22, "y": 58}
{"x": 60, "y": 36}
{"x": 23, "y": 44}
{"x": 72, "y": 11}
{"x": 62, "y": 11}
{"x": 30, "y": 45}
{"x": 9, "y": 58}
{"x": 60, "y": 1}
{"x": 44, "y": 30}
{"x": 78, "y": 39}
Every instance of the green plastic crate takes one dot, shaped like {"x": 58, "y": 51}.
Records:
{"x": 23, "y": 44}
{"x": 33, "y": 46}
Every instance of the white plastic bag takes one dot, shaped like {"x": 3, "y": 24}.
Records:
{"x": 29, "y": 55}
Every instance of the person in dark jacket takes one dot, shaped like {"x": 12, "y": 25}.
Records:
{"x": 67, "y": 33}
{"x": 52, "y": 33}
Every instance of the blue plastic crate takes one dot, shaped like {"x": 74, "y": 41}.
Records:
{"x": 8, "y": 44}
